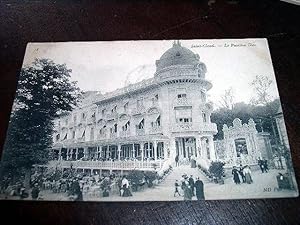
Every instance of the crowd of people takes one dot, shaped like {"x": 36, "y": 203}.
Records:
{"x": 242, "y": 174}
{"x": 73, "y": 185}
{"x": 188, "y": 187}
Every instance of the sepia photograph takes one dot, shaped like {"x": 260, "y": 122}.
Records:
{"x": 164, "y": 120}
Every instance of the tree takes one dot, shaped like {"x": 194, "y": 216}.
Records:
{"x": 243, "y": 111}
{"x": 44, "y": 92}
{"x": 216, "y": 169}
{"x": 261, "y": 85}
{"x": 227, "y": 99}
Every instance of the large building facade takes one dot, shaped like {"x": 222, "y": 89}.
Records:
{"x": 143, "y": 125}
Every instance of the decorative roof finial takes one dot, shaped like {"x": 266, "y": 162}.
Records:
{"x": 176, "y": 43}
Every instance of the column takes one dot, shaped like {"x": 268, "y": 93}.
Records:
{"x": 100, "y": 151}
{"x": 142, "y": 151}
{"x": 59, "y": 154}
{"x": 85, "y": 149}
{"x": 133, "y": 152}
{"x": 97, "y": 152}
{"x": 211, "y": 148}
{"x": 119, "y": 152}
{"x": 67, "y": 155}
{"x": 107, "y": 152}
{"x": 172, "y": 149}
{"x": 155, "y": 150}
{"x": 76, "y": 153}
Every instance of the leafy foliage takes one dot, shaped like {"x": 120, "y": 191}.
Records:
{"x": 44, "y": 92}
{"x": 135, "y": 177}
{"x": 216, "y": 169}
{"x": 260, "y": 114}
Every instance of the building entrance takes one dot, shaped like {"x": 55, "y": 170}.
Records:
{"x": 186, "y": 147}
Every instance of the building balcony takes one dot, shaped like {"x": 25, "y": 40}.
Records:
{"x": 208, "y": 127}
{"x": 203, "y": 127}
{"x": 155, "y": 130}
{"x": 91, "y": 120}
{"x": 107, "y": 165}
{"x": 138, "y": 110}
{"x": 102, "y": 136}
{"x": 71, "y": 124}
{"x": 140, "y": 132}
{"x": 112, "y": 116}
{"x": 179, "y": 127}
{"x": 179, "y": 102}
{"x": 125, "y": 133}
{"x": 81, "y": 122}
{"x": 113, "y": 135}
{"x": 82, "y": 139}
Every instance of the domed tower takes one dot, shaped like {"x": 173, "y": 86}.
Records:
{"x": 181, "y": 76}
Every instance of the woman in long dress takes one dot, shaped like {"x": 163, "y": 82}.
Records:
{"x": 235, "y": 174}
{"x": 247, "y": 174}
{"x": 125, "y": 186}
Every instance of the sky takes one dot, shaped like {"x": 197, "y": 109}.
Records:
{"x": 105, "y": 66}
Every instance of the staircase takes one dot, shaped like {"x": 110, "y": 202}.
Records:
{"x": 177, "y": 173}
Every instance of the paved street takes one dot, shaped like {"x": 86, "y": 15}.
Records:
{"x": 264, "y": 186}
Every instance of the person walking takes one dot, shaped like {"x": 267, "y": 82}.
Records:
{"x": 199, "y": 189}
{"x": 187, "y": 193}
{"x": 235, "y": 174}
{"x": 247, "y": 173}
{"x": 265, "y": 163}
{"x": 261, "y": 165}
{"x": 125, "y": 185}
{"x": 192, "y": 184}
{"x": 176, "y": 189}
{"x": 241, "y": 173}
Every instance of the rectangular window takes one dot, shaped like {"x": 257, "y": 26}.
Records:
{"x": 103, "y": 112}
{"x": 181, "y": 96}
{"x": 73, "y": 134}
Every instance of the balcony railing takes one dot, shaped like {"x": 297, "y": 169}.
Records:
{"x": 112, "y": 116}
{"x": 91, "y": 120}
{"x": 71, "y": 124}
{"x": 182, "y": 102}
{"x": 155, "y": 130}
{"x": 139, "y": 110}
{"x": 125, "y": 133}
{"x": 113, "y": 135}
{"x": 102, "y": 136}
{"x": 140, "y": 132}
{"x": 182, "y": 127}
{"x": 122, "y": 165}
{"x": 208, "y": 127}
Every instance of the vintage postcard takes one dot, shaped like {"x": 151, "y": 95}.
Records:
{"x": 165, "y": 120}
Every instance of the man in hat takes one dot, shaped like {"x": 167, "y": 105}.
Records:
{"x": 199, "y": 189}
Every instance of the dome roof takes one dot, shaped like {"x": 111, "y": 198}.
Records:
{"x": 177, "y": 55}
